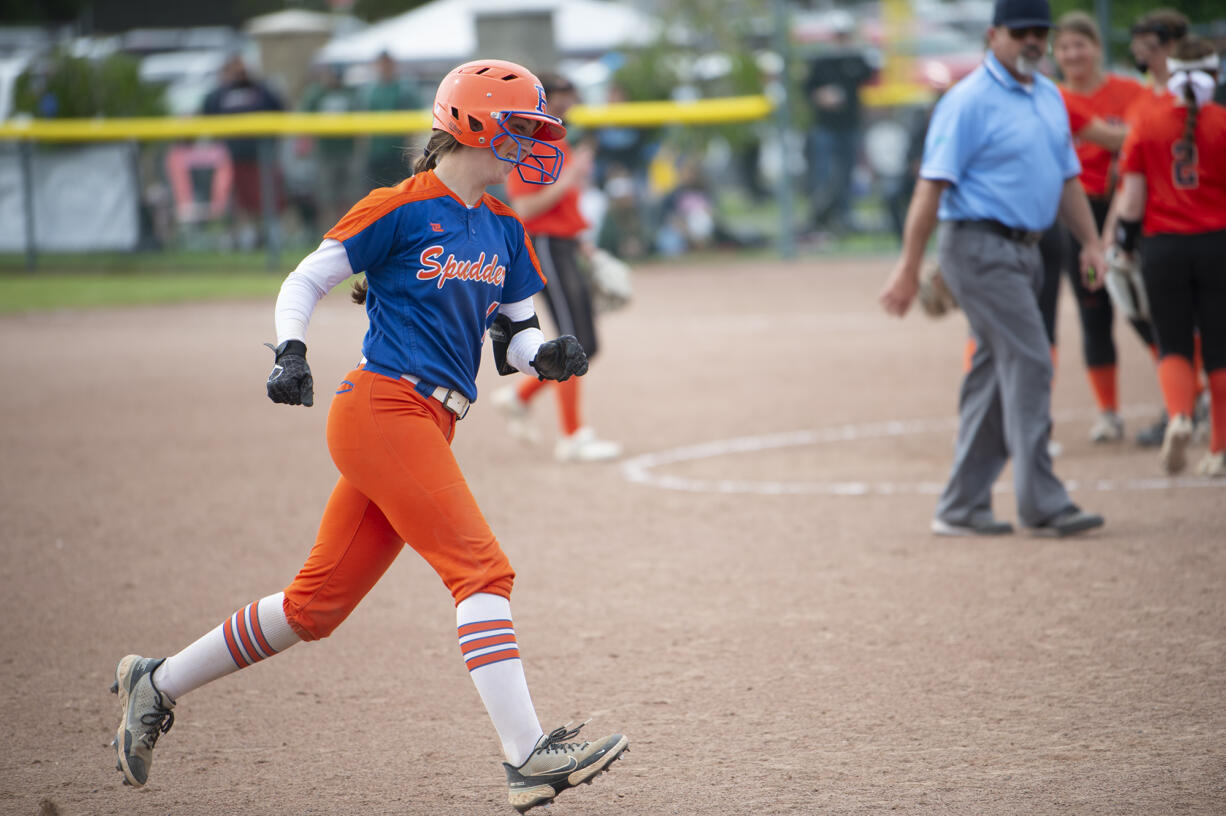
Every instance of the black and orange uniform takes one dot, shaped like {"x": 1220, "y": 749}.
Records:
{"x": 1110, "y": 102}
{"x": 1183, "y": 248}
{"x": 556, "y": 235}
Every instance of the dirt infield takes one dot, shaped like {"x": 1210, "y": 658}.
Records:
{"x": 772, "y": 625}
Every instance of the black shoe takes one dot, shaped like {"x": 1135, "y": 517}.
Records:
{"x": 1152, "y": 436}
{"x": 1068, "y": 522}
{"x": 987, "y": 526}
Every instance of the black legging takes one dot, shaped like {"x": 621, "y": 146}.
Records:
{"x": 1052, "y": 248}
{"x": 1096, "y": 310}
{"x": 566, "y": 289}
{"x": 1185, "y": 281}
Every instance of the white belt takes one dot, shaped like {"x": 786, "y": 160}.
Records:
{"x": 452, "y": 400}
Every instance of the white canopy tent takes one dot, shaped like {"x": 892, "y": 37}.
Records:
{"x": 444, "y": 33}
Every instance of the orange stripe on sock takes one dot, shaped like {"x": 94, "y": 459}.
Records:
{"x": 253, "y": 620}
{"x": 1104, "y": 382}
{"x": 482, "y": 643}
{"x": 232, "y": 644}
{"x": 968, "y": 353}
{"x": 483, "y": 626}
{"x": 494, "y": 657}
{"x": 1178, "y": 383}
{"x": 244, "y": 636}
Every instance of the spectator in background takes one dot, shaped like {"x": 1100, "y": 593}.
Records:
{"x": 622, "y": 157}
{"x": 833, "y": 86}
{"x": 238, "y": 92}
{"x": 335, "y": 190}
{"x": 385, "y": 164}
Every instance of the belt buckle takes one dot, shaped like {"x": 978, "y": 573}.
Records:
{"x": 461, "y": 400}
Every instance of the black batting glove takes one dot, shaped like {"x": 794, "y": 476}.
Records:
{"x": 290, "y": 380}
{"x": 560, "y": 358}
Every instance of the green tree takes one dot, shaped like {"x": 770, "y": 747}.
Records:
{"x": 63, "y": 86}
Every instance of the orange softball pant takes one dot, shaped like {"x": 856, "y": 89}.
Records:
{"x": 399, "y": 483}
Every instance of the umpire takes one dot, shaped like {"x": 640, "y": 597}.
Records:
{"x": 998, "y": 169}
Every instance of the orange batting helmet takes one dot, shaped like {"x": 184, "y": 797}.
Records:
{"x": 476, "y": 100}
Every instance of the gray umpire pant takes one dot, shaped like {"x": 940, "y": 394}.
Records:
{"x": 1005, "y": 406}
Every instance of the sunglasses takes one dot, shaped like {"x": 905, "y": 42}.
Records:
{"x": 1032, "y": 31}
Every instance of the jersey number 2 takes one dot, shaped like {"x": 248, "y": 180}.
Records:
{"x": 1183, "y": 168}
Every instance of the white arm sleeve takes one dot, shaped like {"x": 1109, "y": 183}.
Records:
{"x": 524, "y": 344}
{"x": 315, "y": 276}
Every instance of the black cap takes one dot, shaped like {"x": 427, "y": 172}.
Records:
{"x": 1022, "y": 13}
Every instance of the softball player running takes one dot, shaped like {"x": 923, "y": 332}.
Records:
{"x": 556, "y": 225}
{"x": 1097, "y": 102}
{"x": 1174, "y": 198}
{"x": 444, "y": 263}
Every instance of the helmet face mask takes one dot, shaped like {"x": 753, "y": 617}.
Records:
{"x": 535, "y": 160}
{"x": 476, "y": 100}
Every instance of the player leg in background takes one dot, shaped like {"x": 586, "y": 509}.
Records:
{"x": 1208, "y": 251}
{"x": 570, "y": 304}
{"x": 1168, "y": 269}
{"x": 1097, "y": 316}
{"x": 1053, "y": 249}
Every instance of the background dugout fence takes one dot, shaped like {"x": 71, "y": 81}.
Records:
{"x": 78, "y": 185}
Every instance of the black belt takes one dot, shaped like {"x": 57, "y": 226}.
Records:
{"x": 1022, "y": 236}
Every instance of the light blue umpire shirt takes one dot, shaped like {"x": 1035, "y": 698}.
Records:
{"x": 1004, "y": 147}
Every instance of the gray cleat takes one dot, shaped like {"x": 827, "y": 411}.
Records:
{"x": 147, "y": 714}
{"x": 555, "y": 765}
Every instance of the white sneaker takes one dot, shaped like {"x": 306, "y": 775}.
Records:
{"x": 1175, "y": 444}
{"x": 1214, "y": 464}
{"x": 1107, "y": 428}
{"x": 1054, "y": 448}
{"x": 519, "y": 418}
{"x": 584, "y": 446}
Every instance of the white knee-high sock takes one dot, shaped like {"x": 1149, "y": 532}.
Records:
{"x": 487, "y": 640}
{"x": 256, "y": 631}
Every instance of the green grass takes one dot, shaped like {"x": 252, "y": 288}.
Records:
{"x": 87, "y": 281}
{"x": 42, "y": 291}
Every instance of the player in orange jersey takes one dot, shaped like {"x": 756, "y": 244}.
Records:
{"x": 1174, "y": 201}
{"x": 556, "y": 225}
{"x": 445, "y": 263}
{"x": 1097, "y": 102}
{"x": 1154, "y": 37}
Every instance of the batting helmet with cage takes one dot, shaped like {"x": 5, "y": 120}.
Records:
{"x": 475, "y": 101}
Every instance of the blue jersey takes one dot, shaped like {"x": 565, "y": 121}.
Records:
{"x": 437, "y": 271}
